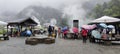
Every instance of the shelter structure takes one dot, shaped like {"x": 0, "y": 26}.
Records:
{"x": 107, "y": 20}
{"x": 23, "y": 22}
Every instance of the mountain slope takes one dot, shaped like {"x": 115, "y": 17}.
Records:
{"x": 44, "y": 14}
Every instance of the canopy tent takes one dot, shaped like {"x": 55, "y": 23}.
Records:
{"x": 3, "y": 23}
{"x": 105, "y": 19}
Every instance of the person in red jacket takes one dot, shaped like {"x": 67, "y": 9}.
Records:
{"x": 84, "y": 35}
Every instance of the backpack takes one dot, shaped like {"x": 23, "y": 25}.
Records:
{"x": 84, "y": 32}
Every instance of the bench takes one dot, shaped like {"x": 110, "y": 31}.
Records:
{"x": 106, "y": 41}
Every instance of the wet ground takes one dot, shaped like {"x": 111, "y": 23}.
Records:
{"x": 16, "y": 45}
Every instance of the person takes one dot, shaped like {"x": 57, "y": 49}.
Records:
{"x": 41, "y": 31}
{"x": 50, "y": 30}
{"x": 118, "y": 29}
{"x": 113, "y": 32}
{"x": 104, "y": 35}
{"x": 32, "y": 32}
{"x": 59, "y": 32}
{"x": 84, "y": 35}
{"x": 89, "y": 33}
{"x": 75, "y": 35}
{"x": 55, "y": 31}
{"x": 65, "y": 34}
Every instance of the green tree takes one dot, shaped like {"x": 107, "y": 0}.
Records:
{"x": 111, "y": 8}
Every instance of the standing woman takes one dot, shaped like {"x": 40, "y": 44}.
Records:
{"x": 84, "y": 35}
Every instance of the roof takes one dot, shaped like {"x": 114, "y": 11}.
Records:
{"x": 36, "y": 20}
{"x": 105, "y": 19}
{"x": 32, "y": 20}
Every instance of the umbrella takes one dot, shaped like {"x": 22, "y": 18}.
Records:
{"x": 111, "y": 26}
{"x": 75, "y": 30}
{"x": 103, "y": 25}
{"x": 105, "y": 19}
{"x": 96, "y": 34}
{"x": 88, "y": 26}
{"x": 65, "y": 32}
{"x": 28, "y": 32}
{"x": 65, "y": 28}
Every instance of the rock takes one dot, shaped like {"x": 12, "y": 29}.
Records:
{"x": 36, "y": 40}
{"x": 31, "y": 41}
{"x": 49, "y": 41}
{"x": 39, "y": 40}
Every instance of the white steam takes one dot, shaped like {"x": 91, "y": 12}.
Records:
{"x": 76, "y": 12}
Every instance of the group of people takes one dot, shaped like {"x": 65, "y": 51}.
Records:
{"x": 83, "y": 32}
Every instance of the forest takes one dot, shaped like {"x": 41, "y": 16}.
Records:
{"x": 111, "y": 8}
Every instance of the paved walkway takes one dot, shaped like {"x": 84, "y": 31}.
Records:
{"x": 16, "y": 45}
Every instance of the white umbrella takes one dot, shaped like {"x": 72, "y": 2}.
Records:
{"x": 105, "y": 19}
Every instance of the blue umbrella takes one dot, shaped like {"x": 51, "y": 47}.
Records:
{"x": 65, "y": 28}
{"x": 111, "y": 26}
{"x": 103, "y": 25}
{"x": 28, "y": 32}
{"x": 96, "y": 34}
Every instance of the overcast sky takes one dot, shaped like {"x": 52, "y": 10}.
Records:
{"x": 18, "y": 5}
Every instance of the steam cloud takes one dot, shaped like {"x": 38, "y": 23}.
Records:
{"x": 79, "y": 10}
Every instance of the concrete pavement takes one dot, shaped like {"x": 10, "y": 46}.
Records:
{"x": 16, "y": 45}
